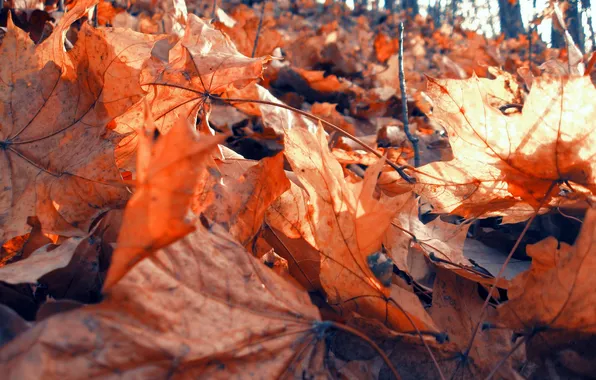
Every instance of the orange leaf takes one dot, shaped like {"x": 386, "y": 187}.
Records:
{"x": 318, "y": 81}
{"x": 57, "y": 161}
{"x": 556, "y": 295}
{"x": 203, "y": 61}
{"x": 457, "y": 309}
{"x": 167, "y": 171}
{"x": 202, "y": 307}
{"x": 348, "y": 224}
{"x": 243, "y": 197}
{"x": 385, "y": 47}
{"x": 505, "y": 162}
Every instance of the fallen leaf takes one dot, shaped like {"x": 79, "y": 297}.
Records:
{"x": 241, "y": 199}
{"x": 385, "y": 47}
{"x": 244, "y": 32}
{"x": 328, "y": 112}
{"x": 203, "y": 62}
{"x": 348, "y": 224}
{"x": 42, "y": 261}
{"x": 457, "y": 309}
{"x": 441, "y": 242}
{"x": 201, "y": 307}
{"x": 167, "y": 171}
{"x": 294, "y": 239}
{"x": 58, "y": 159}
{"x": 553, "y": 303}
{"x": 505, "y": 164}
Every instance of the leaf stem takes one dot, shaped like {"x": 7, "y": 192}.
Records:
{"x": 430, "y": 353}
{"x": 500, "y": 363}
{"x": 502, "y": 270}
{"x": 404, "y": 98}
{"x": 399, "y": 169}
{"x": 353, "y": 331}
{"x": 256, "y": 43}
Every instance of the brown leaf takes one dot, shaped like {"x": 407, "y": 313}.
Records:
{"x": 553, "y": 303}
{"x": 167, "y": 171}
{"x": 348, "y": 225}
{"x": 457, "y": 309}
{"x": 444, "y": 241}
{"x": 241, "y": 199}
{"x": 203, "y": 61}
{"x": 58, "y": 159}
{"x": 328, "y": 112}
{"x": 202, "y": 307}
{"x": 505, "y": 164}
{"x": 42, "y": 261}
{"x": 244, "y": 31}
{"x": 82, "y": 279}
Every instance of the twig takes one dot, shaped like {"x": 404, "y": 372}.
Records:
{"x": 530, "y": 46}
{"x": 500, "y": 363}
{"x": 419, "y": 333}
{"x": 213, "y": 9}
{"x": 504, "y": 266}
{"x": 61, "y": 5}
{"x": 399, "y": 169}
{"x": 94, "y": 18}
{"x": 530, "y": 30}
{"x": 404, "y": 98}
{"x": 353, "y": 331}
{"x": 588, "y": 11}
{"x": 254, "y": 47}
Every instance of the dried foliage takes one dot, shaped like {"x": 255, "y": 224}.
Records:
{"x": 217, "y": 196}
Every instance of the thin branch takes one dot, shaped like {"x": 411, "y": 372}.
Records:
{"x": 353, "y": 331}
{"x": 504, "y": 266}
{"x": 404, "y": 98}
{"x": 213, "y": 9}
{"x": 500, "y": 363}
{"x": 419, "y": 333}
{"x": 94, "y": 19}
{"x": 588, "y": 11}
{"x": 399, "y": 169}
{"x": 530, "y": 30}
{"x": 254, "y": 47}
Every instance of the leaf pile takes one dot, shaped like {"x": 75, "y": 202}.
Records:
{"x": 190, "y": 197}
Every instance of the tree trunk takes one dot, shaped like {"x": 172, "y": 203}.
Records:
{"x": 390, "y": 5}
{"x": 436, "y": 13}
{"x": 574, "y": 26}
{"x": 410, "y": 6}
{"x": 574, "y": 21}
{"x": 511, "y": 20}
{"x": 587, "y": 7}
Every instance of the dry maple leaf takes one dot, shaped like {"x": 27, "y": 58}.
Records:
{"x": 343, "y": 221}
{"x": 347, "y": 225}
{"x": 57, "y": 155}
{"x": 506, "y": 162}
{"x": 167, "y": 171}
{"x": 202, "y": 307}
{"x": 242, "y": 195}
{"x": 293, "y": 238}
{"x": 203, "y": 62}
{"x": 243, "y": 31}
{"x": 457, "y": 309}
{"x": 42, "y": 261}
{"x": 553, "y": 304}
{"x": 441, "y": 242}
